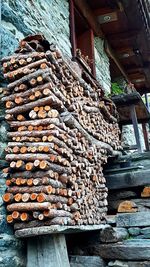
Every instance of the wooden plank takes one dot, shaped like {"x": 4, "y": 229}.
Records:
{"x": 145, "y": 133}
{"x": 133, "y": 219}
{"x": 55, "y": 229}
{"x": 47, "y": 251}
{"x": 86, "y": 261}
{"x": 128, "y": 179}
{"x": 72, "y": 29}
{"x": 136, "y": 249}
{"x": 136, "y": 128}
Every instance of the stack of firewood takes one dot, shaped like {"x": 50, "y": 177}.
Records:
{"x": 62, "y": 130}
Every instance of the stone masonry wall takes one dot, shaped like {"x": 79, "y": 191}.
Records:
{"x": 102, "y": 65}
{"x": 19, "y": 19}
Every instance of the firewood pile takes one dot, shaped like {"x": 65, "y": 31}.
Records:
{"x": 62, "y": 130}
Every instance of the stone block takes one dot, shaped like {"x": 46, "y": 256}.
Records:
{"x": 145, "y": 230}
{"x": 113, "y": 234}
{"x": 86, "y": 261}
{"x": 134, "y": 250}
{"x": 134, "y": 231}
{"x": 118, "y": 263}
{"x": 133, "y": 219}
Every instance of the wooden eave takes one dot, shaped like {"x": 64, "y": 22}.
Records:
{"x": 126, "y": 36}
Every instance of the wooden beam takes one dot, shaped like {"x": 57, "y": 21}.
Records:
{"x": 47, "y": 251}
{"x": 89, "y": 15}
{"x": 112, "y": 55}
{"x": 123, "y": 35}
{"x": 145, "y": 133}
{"x": 72, "y": 28}
{"x": 136, "y": 129}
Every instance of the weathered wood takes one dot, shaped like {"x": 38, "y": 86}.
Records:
{"x": 47, "y": 251}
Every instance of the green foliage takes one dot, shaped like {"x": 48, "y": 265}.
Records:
{"x": 115, "y": 89}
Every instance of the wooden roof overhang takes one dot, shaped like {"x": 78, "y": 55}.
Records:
{"x": 124, "y": 102}
{"x": 124, "y": 25}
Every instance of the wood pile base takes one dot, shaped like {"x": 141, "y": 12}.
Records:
{"x": 62, "y": 131}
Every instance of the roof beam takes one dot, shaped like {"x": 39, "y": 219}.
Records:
{"x": 89, "y": 15}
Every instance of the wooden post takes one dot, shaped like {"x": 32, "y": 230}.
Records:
{"x": 145, "y": 136}
{"x": 146, "y": 102}
{"x": 135, "y": 126}
{"x": 47, "y": 251}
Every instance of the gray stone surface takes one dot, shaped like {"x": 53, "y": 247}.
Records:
{"x": 86, "y": 261}
{"x": 102, "y": 65}
{"x": 118, "y": 263}
{"x": 132, "y": 249}
{"x": 134, "y": 231}
{"x": 145, "y": 230}
{"x": 133, "y": 219}
{"x": 113, "y": 234}
{"x": 51, "y": 18}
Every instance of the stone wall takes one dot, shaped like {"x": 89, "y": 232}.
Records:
{"x": 102, "y": 65}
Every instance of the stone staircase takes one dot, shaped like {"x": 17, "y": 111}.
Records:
{"x": 126, "y": 240}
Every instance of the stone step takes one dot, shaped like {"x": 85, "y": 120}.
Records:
{"x": 118, "y": 263}
{"x": 128, "y": 179}
{"x": 86, "y": 261}
{"x": 133, "y": 249}
{"x": 133, "y": 219}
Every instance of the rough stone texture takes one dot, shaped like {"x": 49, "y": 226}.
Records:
{"x": 129, "y": 264}
{"x": 128, "y": 137}
{"x": 102, "y": 65}
{"x": 21, "y": 18}
{"x": 132, "y": 249}
{"x": 134, "y": 231}
{"x": 86, "y": 261}
{"x": 113, "y": 234}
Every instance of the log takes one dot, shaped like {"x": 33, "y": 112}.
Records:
{"x": 23, "y": 56}
{"x": 43, "y": 122}
{"x": 52, "y": 213}
{"x": 72, "y": 123}
{"x": 146, "y": 192}
{"x": 127, "y": 206}
{"x": 27, "y": 78}
{"x": 32, "y": 189}
{"x": 30, "y": 206}
{"x": 28, "y": 92}
{"x": 29, "y": 66}
{"x": 51, "y": 198}
{"x": 33, "y": 133}
{"x": 51, "y": 100}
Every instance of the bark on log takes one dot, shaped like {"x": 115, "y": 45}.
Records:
{"x": 51, "y": 100}
{"x": 30, "y": 206}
